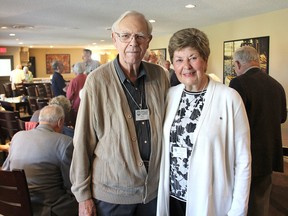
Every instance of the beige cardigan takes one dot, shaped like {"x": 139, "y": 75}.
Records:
{"x": 106, "y": 163}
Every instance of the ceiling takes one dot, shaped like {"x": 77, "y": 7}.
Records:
{"x": 86, "y": 23}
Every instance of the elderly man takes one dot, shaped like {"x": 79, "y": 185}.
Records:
{"x": 45, "y": 155}
{"x": 115, "y": 165}
{"x": 88, "y": 62}
{"x": 58, "y": 82}
{"x": 265, "y": 103}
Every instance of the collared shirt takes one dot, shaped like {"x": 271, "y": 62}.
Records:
{"x": 135, "y": 94}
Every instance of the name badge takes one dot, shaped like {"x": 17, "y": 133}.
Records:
{"x": 142, "y": 115}
{"x": 180, "y": 152}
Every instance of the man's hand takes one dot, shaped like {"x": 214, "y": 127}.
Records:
{"x": 87, "y": 208}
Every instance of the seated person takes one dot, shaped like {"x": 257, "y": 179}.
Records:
{"x": 45, "y": 155}
{"x": 66, "y": 105}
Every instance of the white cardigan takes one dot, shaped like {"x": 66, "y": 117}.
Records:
{"x": 220, "y": 166}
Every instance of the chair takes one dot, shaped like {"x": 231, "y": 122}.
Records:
{"x": 41, "y": 91}
{"x": 31, "y": 91}
{"x": 9, "y": 123}
{"x": 33, "y": 103}
{"x": 42, "y": 102}
{"x": 20, "y": 89}
{"x": 14, "y": 194}
{"x": 7, "y": 89}
{"x": 48, "y": 88}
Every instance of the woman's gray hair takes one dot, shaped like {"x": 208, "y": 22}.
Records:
{"x": 190, "y": 37}
{"x": 63, "y": 102}
{"x": 56, "y": 64}
{"x": 51, "y": 114}
{"x": 246, "y": 54}
{"x": 129, "y": 13}
{"x": 79, "y": 68}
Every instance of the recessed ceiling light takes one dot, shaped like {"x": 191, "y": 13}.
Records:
{"x": 20, "y": 43}
{"x": 94, "y": 43}
{"x": 51, "y": 46}
{"x": 190, "y": 6}
{"x": 12, "y": 35}
{"x": 4, "y": 27}
{"x": 152, "y": 21}
{"x": 102, "y": 40}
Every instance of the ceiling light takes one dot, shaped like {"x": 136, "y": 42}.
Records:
{"x": 190, "y": 6}
{"x": 152, "y": 21}
{"x": 102, "y": 40}
{"x": 51, "y": 46}
{"x": 4, "y": 27}
{"x": 20, "y": 43}
{"x": 12, "y": 35}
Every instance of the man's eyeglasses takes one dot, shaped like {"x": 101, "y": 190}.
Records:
{"x": 127, "y": 37}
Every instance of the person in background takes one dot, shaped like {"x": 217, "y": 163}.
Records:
{"x": 88, "y": 62}
{"x": 118, "y": 133}
{"x": 167, "y": 66}
{"x": 45, "y": 155}
{"x": 153, "y": 58}
{"x": 16, "y": 76}
{"x": 58, "y": 82}
{"x": 205, "y": 166}
{"x": 62, "y": 101}
{"x": 74, "y": 88}
{"x": 28, "y": 74}
{"x": 265, "y": 103}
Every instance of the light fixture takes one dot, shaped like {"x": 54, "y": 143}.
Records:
{"x": 190, "y": 6}
{"x": 12, "y": 35}
{"x": 152, "y": 21}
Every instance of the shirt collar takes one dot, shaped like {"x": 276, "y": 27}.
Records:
{"x": 121, "y": 74}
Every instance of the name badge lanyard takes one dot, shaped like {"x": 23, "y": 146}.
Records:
{"x": 140, "y": 114}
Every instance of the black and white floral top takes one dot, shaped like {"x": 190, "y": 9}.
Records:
{"x": 181, "y": 136}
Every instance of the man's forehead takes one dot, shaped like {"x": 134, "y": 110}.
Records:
{"x": 134, "y": 23}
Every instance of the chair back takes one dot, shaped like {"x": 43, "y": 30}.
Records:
{"x": 41, "y": 91}
{"x": 9, "y": 123}
{"x": 14, "y": 194}
{"x": 48, "y": 88}
{"x": 20, "y": 89}
{"x": 42, "y": 102}
{"x": 7, "y": 89}
{"x": 31, "y": 91}
{"x": 33, "y": 103}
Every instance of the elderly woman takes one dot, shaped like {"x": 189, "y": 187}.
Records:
{"x": 206, "y": 153}
{"x": 74, "y": 88}
{"x": 28, "y": 74}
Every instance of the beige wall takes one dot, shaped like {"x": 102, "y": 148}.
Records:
{"x": 272, "y": 24}
{"x": 40, "y": 59}
{"x": 75, "y": 56}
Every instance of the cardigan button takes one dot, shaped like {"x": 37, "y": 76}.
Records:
{"x": 129, "y": 116}
{"x": 141, "y": 163}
